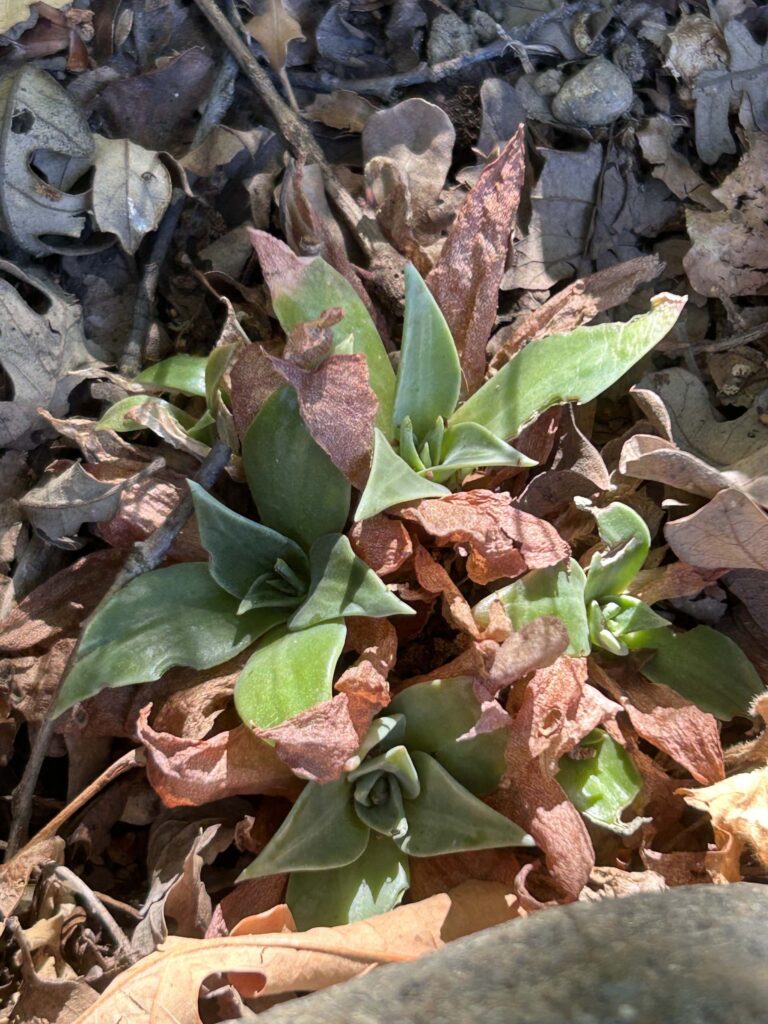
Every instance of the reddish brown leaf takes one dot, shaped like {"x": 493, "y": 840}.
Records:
{"x": 667, "y": 720}
{"x": 249, "y": 898}
{"x": 253, "y": 379}
{"x": 188, "y": 773}
{"x": 577, "y": 304}
{"x": 665, "y": 582}
{"x": 383, "y": 543}
{"x": 434, "y": 579}
{"x": 502, "y": 541}
{"x": 536, "y": 645}
{"x": 339, "y": 408}
{"x": 465, "y": 281}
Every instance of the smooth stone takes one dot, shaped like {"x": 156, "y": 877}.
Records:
{"x": 690, "y": 955}
{"x": 597, "y": 94}
{"x": 449, "y": 37}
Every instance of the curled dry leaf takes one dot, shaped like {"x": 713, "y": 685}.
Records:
{"x": 730, "y": 530}
{"x": 15, "y": 873}
{"x": 465, "y": 281}
{"x": 165, "y": 985}
{"x": 502, "y": 541}
{"x": 188, "y": 772}
{"x": 383, "y": 543}
{"x": 536, "y": 644}
{"x": 339, "y": 408}
{"x": 16, "y": 11}
{"x": 273, "y": 28}
{"x": 343, "y": 109}
{"x": 131, "y": 190}
{"x": 435, "y": 580}
{"x": 668, "y": 721}
{"x": 738, "y": 807}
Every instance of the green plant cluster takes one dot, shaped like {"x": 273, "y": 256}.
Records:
{"x": 284, "y": 584}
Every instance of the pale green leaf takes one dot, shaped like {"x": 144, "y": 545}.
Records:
{"x": 288, "y": 673}
{"x": 604, "y": 785}
{"x": 429, "y": 374}
{"x": 468, "y": 445}
{"x": 115, "y": 417}
{"x": 297, "y": 489}
{"x": 182, "y": 373}
{"x": 240, "y": 550}
{"x": 173, "y": 616}
{"x": 707, "y": 668}
{"x": 551, "y": 591}
{"x": 373, "y": 884}
{"x": 572, "y": 367}
{"x": 438, "y": 712}
{"x": 316, "y": 288}
{"x": 321, "y": 831}
{"x": 447, "y": 818}
{"x": 628, "y": 541}
{"x": 343, "y": 585}
{"x": 391, "y": 482}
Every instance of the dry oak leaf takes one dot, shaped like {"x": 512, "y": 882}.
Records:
{"x": 164, "y": 987}
{"x": 465, "y": 281}
{"x": 502, "y": 541}
{"x": 738, "y": 807}
{"x": 274, "y": 28}
{"x": 731, "y": 530}
{"x": 189, "y": 772}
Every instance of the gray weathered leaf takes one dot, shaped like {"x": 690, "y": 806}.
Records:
{"x": 131, "y": 190}
{"x": 38, "y": 347}
{"x": 36, "y": 114}
{"x": 729, "y": 531}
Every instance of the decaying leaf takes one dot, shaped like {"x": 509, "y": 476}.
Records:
{"x": 738, "y": 807}
{"x": 164, "y": 986}
{"x": 16, "y": 11}
{"x": 382, "y": 542}
{"x": 342, "y": 109}
{"x": 41, "y": 212}
{"x": 38, "y": 350}
{"x": 274, "y": 28}
{"x": 465, "y": 281}
{"x": 731, "y": 530}
{"x": 131, "y": 190}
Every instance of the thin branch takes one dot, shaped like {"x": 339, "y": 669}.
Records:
{"x": 146, "y": 555}
{"x": 93, "y": 905}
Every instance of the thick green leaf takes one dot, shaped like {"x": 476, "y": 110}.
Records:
{"x": 182, "y": 373}
{"x": 173, "y": 616}
{"x": 373, "y": 884}
{"x": 288, "y": 673}
{"x": 629, "y": 541}
{"x": 317, "y": 288}
{"x": 468, "y": 445}
{"x": 436, "y": 714}
{"x": 115, "y": 417}
{"x": 384, "y": 811}
{"x": 392, "y": 481}
{"x": 447, "y": 818}
{"x": 573, "y": 367}
{"x": 551, "y": 591}
{"x": 429, "y": 374}
{"x": 604, "y": 785}
{"x": 343, "y": 585}
{"x": 240, "y": 549}
{"x": 707, "y": 668}
{"x": 322, "y": 831}
{"x": 297, "y": 489}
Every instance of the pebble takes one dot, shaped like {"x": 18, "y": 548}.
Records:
{"x": 449, "y": 37}
{"x": 597, "y": 94}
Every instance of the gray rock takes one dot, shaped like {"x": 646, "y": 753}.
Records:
{"x": 597, "y": 94}
{"x": 449, "y": 37}
{"x": 692, "y": 955}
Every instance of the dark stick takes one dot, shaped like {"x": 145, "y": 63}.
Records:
{"x": 146, "y": 555}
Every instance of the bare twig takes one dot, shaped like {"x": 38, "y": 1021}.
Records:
{"x": 146, "y": 555}
{"x": 93, "y": 905}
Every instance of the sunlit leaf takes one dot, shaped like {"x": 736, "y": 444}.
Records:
{"x": 288, "y": 673}
{"x": 173, "y": 616}
{"x": 297, "y": 489}
{"x": 373, "y": 884}
{"x": 628, "y": 541}
{"x": 391, "y": 482}
{"x": 556, "y": 590}
{"x": 468, "y": 445}
{"x": 182, "y": 373}
{"x": 707, "y": 668}
{"x": 447, "y": 818}
{"x": 429, "y": 375}
{"x": 115, "y": 417}
{"x": 343, "y": 585}
{"x": 573, "y": 367}
{"x": 603, "y": 785}
{"x": 321, "y": 831}
{"x": 240, "y": 549}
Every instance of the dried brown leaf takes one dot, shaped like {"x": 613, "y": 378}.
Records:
{"x": 383, "y": 543}
{"x": 731, "y": 530}
{"x": 165, "y": 985}
{"x": 274, "y": 28}
{"x": 738, "y": 807}
{"x": 666, "y": 582}
{"x": 465, "y": 282}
